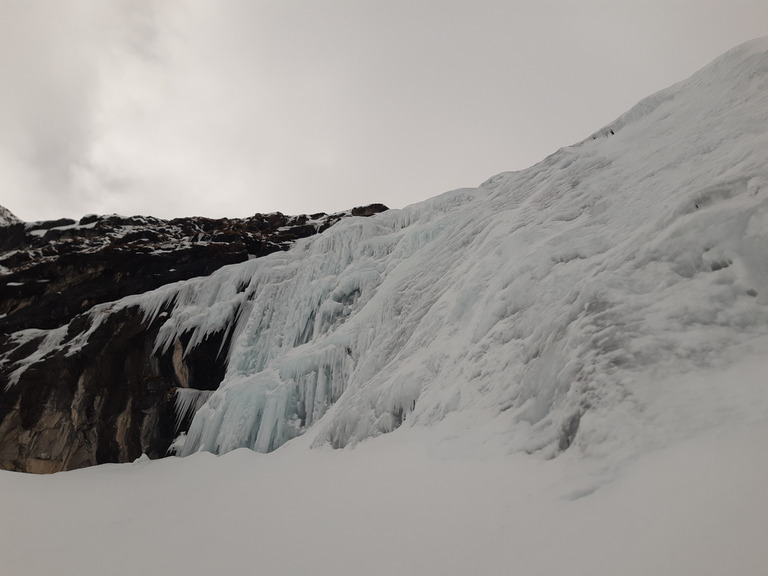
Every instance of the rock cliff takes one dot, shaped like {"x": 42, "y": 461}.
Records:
{"x": 79, "y": 388}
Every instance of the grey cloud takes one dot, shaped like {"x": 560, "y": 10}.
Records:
{"x": 222, "y": 108}
{"x": 53, "y": 56}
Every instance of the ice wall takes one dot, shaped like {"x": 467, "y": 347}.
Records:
{"x": 539, "y": 306}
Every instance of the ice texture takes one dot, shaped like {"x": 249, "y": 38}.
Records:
{"x": 187, "y": 401}
{"x": 542, "y": 306}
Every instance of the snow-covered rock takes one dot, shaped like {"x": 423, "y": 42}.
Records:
{"x": 60, "y": 268}
{"x": 7, "y": 217}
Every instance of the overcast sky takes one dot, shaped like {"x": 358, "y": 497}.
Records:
{"x": 227, "y": 108}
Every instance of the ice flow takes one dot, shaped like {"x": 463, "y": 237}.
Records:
{"x": 545, "y": 305}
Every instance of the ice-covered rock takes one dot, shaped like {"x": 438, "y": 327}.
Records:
{"x": 545, "y": 305}
{"x": 568, "y": 306}
{"x": 81, "y": 382}
{"x": 57, "y": 269}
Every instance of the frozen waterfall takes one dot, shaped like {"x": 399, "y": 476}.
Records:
{"x": 534, "y": 306}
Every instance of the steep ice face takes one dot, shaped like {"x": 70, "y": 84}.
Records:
{"x": 544, "y": 306}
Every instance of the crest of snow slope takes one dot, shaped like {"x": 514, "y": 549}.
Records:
{"x": 7, "y": 217}
{"x": 554, "y": 306}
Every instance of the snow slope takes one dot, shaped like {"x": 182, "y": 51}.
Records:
{"x": 550, "y": 306}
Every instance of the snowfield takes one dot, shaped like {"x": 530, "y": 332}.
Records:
{"x": 562, "y": 371}
{"x": 394, "y": 505}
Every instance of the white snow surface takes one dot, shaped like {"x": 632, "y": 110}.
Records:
{"x": 608, "y": 306}
{"x": 698, "y": 506}
{"x": 545, "y": 306}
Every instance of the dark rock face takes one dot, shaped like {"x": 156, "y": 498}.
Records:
{"x": 56, "y": 270}
{"x": 82, "y": 405}
{"x": 81, "y": 385}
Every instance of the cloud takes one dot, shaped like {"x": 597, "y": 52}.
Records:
{"x": 53, "y": 57}
{"x": 177, "y": 107}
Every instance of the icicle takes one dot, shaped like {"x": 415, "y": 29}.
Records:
{"x": 187, "y": 402}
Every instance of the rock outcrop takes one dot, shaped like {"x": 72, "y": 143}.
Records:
{"x": 7, "y": 217}
{"x": 81, "y": 384}
{"x": 54, "y": 270}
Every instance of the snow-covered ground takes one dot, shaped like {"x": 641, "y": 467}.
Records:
{"x": 407, "y": 502}
{"x": 562, "y": 371}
